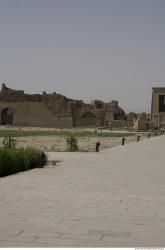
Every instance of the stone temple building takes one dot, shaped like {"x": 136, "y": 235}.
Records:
{"x": 155, "y": 120}
{"x": 158, "y": 107}
{"x": 55, "y": 110}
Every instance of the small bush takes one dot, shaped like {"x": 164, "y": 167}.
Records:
{"x": 13, "y": 160}
{"x": 72, "y": 144}
{"x": 9, "y": 142}
{"x": 98, "y": 103}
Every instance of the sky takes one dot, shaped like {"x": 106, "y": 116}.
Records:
{"x": 84, "y": 49}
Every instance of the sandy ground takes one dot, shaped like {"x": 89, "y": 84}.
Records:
{"x": 57, "y": 144}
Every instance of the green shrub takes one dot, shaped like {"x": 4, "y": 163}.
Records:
{"x": 9, "y": 142}
{"x": 72, "y": 144}
{"x": 97, "y": 103}
{"x": 13, "y": 160}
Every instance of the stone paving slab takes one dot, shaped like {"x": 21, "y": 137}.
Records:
{"x": 114, "y": 198}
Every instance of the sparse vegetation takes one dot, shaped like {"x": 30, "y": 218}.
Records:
{"x": 55, "y": 139}
{"x": 64, "y": 133}
{"x": 72, "y": 144}
{"x": 97, "y": 103}
{"x": 9, "y": 142}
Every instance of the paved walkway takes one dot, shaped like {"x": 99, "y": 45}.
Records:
{"x": 115, "y": 198}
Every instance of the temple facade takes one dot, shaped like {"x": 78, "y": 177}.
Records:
{"x": 158, "y": 107}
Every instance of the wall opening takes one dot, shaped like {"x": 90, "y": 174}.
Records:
{"x": 88, "y": 119}
{"x": 161, "y": 103}
{"x": 7, "y": 116}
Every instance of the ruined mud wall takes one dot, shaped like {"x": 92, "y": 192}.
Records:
{"x": 53, "y": 110}
{"x": 84, "y": 114}
{"x": 11, "y": 95}
{"x": 34, "y": 114}
{"x": 46, "y": 110}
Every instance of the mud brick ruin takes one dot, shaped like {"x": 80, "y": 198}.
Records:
{"x": 55, "y": 110}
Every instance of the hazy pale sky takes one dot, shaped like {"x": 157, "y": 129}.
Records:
{"x": 84, "y": 49}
